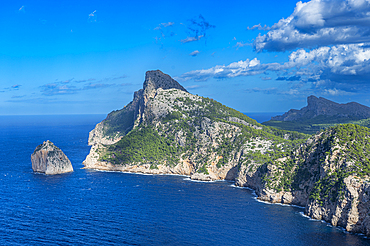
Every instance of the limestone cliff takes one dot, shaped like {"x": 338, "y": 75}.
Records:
{"x": 328, "y": 175}
{"x": 49, "y": 159}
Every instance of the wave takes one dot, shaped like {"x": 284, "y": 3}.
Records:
{"x": 241, "y": 187}
{"x": 277, "y": 203}
{"x": 199, "y": 181}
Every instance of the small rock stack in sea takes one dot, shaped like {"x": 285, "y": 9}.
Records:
{"x": 49, "y": 159}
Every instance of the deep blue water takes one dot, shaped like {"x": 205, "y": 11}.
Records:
{"x": 88, "y": 207}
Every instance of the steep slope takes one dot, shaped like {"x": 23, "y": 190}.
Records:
{"x": 329, "y": 175}
{"x": 320, "y": 113}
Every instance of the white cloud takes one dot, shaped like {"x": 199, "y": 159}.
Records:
{"x": 93, "y": 17}
{"x": 336, "y": 92}
{"x": 344, "y": 67}
{"x": 318, "y": 23}
{"x": 160, "y": 26}
{"x": 194, "y": 53}
{"x": 241, "y": 44}
{"x": 191, "y": 39}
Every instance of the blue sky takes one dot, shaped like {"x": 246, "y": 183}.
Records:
{"x": 73, "y": 57}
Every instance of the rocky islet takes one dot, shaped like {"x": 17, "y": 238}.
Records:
{"x": 49, "y": 159}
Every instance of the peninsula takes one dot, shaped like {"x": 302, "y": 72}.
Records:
{"x": 166, "y": 130}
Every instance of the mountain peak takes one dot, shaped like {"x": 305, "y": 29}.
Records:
{"x": 157, "y": 79}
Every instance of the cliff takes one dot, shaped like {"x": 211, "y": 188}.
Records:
{"x": 49, "y": 159}
{"x": 329, "y": 175}
{"x": 166, "y": 130}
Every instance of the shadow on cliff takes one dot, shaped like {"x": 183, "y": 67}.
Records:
{"x": 232, "y": 173}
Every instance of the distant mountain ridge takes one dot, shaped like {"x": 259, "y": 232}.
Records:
{"x": 324, "y": 107}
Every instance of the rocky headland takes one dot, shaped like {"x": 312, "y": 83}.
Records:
{"x": 166, "y": 130}
{"x": 324, "y": 107}
{"x": 49, "y": 159}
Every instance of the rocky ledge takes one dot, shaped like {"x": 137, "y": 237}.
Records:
{"x": 49, "y": 159}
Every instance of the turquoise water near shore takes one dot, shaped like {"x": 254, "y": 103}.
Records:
{"x": 89, "y": 207}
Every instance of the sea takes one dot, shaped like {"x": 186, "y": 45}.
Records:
{"x": 89, "y": 207}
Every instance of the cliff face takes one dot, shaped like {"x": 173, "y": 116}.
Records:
{"x": 329, "y": 175}
{"x": 174, "y": 132}
{"x": 49, "y": 159}
{"x": 323, "y": 107}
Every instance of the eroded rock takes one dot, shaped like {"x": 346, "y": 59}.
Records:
{"x": 49, "y": 159}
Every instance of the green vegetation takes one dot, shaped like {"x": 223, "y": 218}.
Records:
{"x": 315, "y": 124}
{"x": 120, "y": 121}
{"x": 143, "y": 145}
{"x": 146, "y": 144}
{"x": 330, "y": 188}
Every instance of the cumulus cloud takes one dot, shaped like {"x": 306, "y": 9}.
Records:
{"x": 318, "y": 23}
{"x": 194, "y": 53}
{"x": 336, "y": 92}
{"x": 344, "y": 67}
{"x": 241, "y": 68}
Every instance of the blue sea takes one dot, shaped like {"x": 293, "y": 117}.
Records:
{"x": 89, "y": 207}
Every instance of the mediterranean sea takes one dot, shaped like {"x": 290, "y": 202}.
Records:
{"x": 90, "y": 207}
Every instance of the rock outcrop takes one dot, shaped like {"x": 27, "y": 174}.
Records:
{"x": 324, "y": 107}
{"x": 49, "y": 159}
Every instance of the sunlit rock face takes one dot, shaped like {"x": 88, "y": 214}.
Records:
{"x": 49, "y": 159}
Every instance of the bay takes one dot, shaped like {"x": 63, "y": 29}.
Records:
{"x": 89, "y": 207}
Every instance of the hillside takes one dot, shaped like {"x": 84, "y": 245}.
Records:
{"x": 329, "y": 175}
{"x": 319, "y": 114}
{"x": 166, "y": 130}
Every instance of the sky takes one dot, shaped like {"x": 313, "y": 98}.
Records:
{"x": 88, "y": 57}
